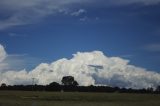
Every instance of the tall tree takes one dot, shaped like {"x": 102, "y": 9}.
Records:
{"x": 69, "y": 80}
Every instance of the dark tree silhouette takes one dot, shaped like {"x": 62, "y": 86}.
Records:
{"x": 158, "y": 88}
{"x": 54, "y": 86}
{"x": 75, "y": 83}
{"x": 70, "y": 85}
{"x": 3, "y": 85}
{"x": 69, "y": 80}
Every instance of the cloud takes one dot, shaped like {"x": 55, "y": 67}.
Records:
{"x": 16, "y": 35}
{"x": 88, "y": 68}
{"x": 23, "y": 12}
{"x": 127, "y": 56}
{"x": 85, "y": 18}
{"x": 153, "y": 47}
{"x": 79, "y": 12}
{"x": 11, "y": 62}
{"x": 127, "y": 2}
{"x": 16, "y": 61}
{"x": 3, "y": 53}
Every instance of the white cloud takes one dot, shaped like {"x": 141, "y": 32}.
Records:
{"x": 84, "y": 18}
{"x": 87, "y": 68}
{"x": 3, "y": 53}
{"x": 16, "y": 61}
{"x": 23, "y": 12}
{"x": 79, "y": 12}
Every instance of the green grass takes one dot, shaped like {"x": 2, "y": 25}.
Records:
{"x": 25, "y": 98}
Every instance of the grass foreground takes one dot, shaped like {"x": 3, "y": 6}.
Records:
{"x": 28, "y": 98}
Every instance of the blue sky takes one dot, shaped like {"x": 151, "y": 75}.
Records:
{"x": 33, "y": 31}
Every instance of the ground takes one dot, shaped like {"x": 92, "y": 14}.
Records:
{"x": 26, "y": 98}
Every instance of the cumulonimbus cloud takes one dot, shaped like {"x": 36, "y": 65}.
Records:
{"x": 88, "y": 68}
{"x": 3, "y": 55}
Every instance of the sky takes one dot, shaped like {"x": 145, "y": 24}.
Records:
{"x": 33, "y": 32}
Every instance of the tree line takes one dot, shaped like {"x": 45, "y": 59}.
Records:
{"x": 69, "y": 84}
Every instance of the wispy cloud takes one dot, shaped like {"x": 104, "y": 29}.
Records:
{"x": 24, "y": 12}
{"x": 79, "y": 12}
{"x": 21, "y": 61}
{"x": 153, "y": 47}
{"x": 85, "y": 18}
{"x": 127, "y": 56}
{"x": 126, "y": 2}
{"x": 16, "y": 35}
{"x": 16, "y": 61}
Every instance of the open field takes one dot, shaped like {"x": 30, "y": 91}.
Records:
{"x": 26, "y": 98}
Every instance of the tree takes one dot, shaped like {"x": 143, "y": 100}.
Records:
{"x": 69, "y": 80}
{"x": 54, "y": 84}
{"x": 3, "y": 85}
{"x": 75, "y": 83}
{"x": 158, "y": 88}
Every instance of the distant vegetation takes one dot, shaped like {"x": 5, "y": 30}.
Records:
{"x": 70, "y": 85}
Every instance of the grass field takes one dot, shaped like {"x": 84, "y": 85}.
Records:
{"x": 25, "y": 98}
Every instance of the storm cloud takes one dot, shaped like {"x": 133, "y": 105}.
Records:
{"x": 88, "y": 68}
